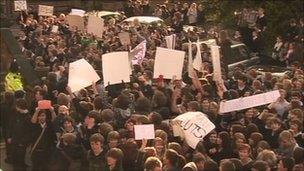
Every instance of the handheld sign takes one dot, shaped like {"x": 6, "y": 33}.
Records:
{"x": 20, "y": 5}
{"x": 144, "y": 132}
{"x": 44, "y": 104}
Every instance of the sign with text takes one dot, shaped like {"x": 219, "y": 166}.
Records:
{"x": 116, "y": 68}
{"x": 248, "y": 102}
{"x": 81, "y": 75}
{"x": 95, "y": 26}
{"x": 192, "y": 126}
{"x": 144, "y": 132}
{"x": 20, "y": 5}
{"x": 44, "y": 10}
{"x": 169, "y": 63}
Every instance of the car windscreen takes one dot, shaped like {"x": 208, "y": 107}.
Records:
{"x": 240, "y": 53}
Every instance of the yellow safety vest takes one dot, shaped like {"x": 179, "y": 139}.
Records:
{"x": 13, "y": 82}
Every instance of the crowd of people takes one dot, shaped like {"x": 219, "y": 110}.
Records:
{"x": 93, "y": 129}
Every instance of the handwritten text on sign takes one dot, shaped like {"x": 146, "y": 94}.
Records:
{"x": 192, "y": 126}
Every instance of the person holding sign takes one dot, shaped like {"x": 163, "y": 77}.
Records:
{"x": 43, "y": 138}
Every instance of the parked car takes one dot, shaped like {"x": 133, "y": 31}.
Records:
{"x": 146, "y": 20}
{"x": 275, "y": 70}
{"x": 106, "y": 14}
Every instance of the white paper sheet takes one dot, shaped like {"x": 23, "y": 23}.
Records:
{"x": 124, "y": 38}
{"x": 169, "y": 63}
{"x": 248, "y": 102}
{"x": 20, "y": 5}
{"x": 75, "y": 21}
{"x": 44, "y": 10}
{"x": 115, "y": 68}
{"x": 95, "y": 26}
{"x": 144, "y": 132}
{"x": 193, "y": 127}
{"x": 81, "y": 75}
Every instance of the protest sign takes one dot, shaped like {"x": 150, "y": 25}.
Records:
{"x": 169, "y": 63}
{"x": 170, "y": 41}
{"x": 192, "y": 126}
{"x": 20, "y": 5}
{"x": 138, "y": 54}
{"x": 95, "y": 26}
{"x": 124, "y": 38}
{"x": 55, "y": 29}
{"x": 44, "y": 104}
{"x": 215, "y": 54}
{"x": 78, "y": 12}
{"x": 81, "y": 75}
{"x": 44, "y": 10}
{"x": 144, "y": 132}
{"x": 197, "y": 62}
{"x": 248, "y": 102}
{"x": 116, "y": 68}
{"x": 75, "y": 22}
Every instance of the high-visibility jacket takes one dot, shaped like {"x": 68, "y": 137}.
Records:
{"x": 13, "y": 82}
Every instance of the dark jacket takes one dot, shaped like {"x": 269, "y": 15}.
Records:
{"x": 20, "y": 128}
{"x": 96, "y": 163}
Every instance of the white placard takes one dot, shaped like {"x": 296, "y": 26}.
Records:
{"x": 215, "y": 54}
{"x": 116, "y": 68}
{"x": 75, "y": 22}
{"x": 95, "y": 26}
{"x": 78, "y": 12}
{"x": 55, "y": 29}
{"x": 20, "y": 5}
{"x": 81, "y": 75}
{"x": 193, "y": 127}
{"x": 144, "y": 132}
{"x": 248, "y": 102}
{"x": 44, "y": 10}
{"x": 124, "y": 38}
{"x": 169, "y": 63}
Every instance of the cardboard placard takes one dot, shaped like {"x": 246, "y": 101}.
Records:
{"x": 44, "y": 104}
{"x": 81, "y": 75}
{"x": 20, "y": 5}
{"x": 144, "y": 132}
{"x": 44, "y": 10}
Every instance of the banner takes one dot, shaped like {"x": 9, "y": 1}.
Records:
{"x": 169, "y": 63}
{"x": 138, "y": 54}
{"x": 81, "y": 75}
{"x": 248, "y": 102}
{"x": 124, "y": 38}
{"x": 75, "y": 22}
{"x": 20, "y": 5}
{"x": 95, "y": 26}
{"x": 192, "y": 126}
{"x": 144, "y": 132}
{"x": 116, "y": 68}
{"x": 44, "y": 10}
